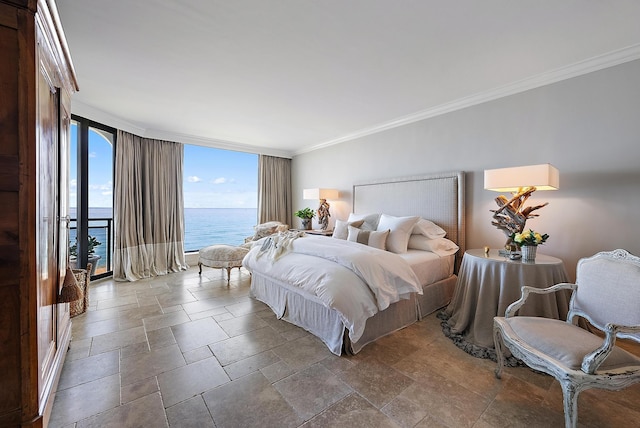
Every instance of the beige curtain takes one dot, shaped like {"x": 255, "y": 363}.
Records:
{"x": 274, "y": 190}
{"x": 148, "y": 208}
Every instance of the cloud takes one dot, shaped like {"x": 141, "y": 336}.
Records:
{"x": 219, "y": 180}
{"x": 194, "y": 179}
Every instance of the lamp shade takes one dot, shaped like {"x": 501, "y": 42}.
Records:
{"x": 542, "y": 177}
{"x": 318, "y": 194}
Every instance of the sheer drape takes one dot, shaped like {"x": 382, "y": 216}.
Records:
{"x": 148, "y": 208}
{"x": 274, "y": 189}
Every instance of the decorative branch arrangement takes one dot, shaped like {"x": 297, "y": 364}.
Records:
{"x": 512, "y": 216}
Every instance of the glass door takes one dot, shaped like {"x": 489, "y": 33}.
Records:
{"x": 91, "y": 195}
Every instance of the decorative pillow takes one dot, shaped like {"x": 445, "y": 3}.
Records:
{"x": 370, "y": 220}
{"x": 268, "y": 228}
{"x": 341, "y": 230}
{"x": 401, "y": 228}
{"x": 428, "y": 229}
{"x": 368, "y": 237}
{"x": 440, "y": 246}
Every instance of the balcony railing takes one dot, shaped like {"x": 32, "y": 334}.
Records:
{"x": 102, "y": 230}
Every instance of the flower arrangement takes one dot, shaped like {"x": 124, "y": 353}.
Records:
{"x": 305, "y": 213}
{"x": 529, "y": 238}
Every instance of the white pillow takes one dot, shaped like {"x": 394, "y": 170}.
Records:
{"x": 428, "y": 229}
{"x": 368, "y": 237}
{"x": 440, "y": 246}
{"x": 341, "y": 231}
{"x": 401, "y": 228}
{"x": 370, "y": 220}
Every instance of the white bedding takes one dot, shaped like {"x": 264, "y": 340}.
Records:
{"x": 355, "y": 280}
{"x": 428, "y": 266}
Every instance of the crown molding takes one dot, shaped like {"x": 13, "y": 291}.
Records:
{"x": 590, "y": 65}
{"x": 84, "y": 110}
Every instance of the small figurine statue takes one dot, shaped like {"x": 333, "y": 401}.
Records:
{"x": 323, "y": 214}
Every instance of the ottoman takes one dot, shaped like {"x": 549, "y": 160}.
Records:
{"x": 222, "y": 257}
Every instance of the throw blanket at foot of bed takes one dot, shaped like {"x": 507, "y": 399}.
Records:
{"x": 355, "y": 280}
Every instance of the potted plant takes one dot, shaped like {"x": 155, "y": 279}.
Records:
{"x": 93, "y": 258}
{"x": 306, "y": 215}
{"x": 528, "y": 242}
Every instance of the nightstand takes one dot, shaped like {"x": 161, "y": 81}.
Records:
{"x": 488, "y": 283}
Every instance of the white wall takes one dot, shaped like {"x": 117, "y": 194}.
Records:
{"x": 588, "y": 127}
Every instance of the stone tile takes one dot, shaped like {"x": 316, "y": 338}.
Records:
{"x": 246, "y": 307}
{"x": 191, "y": 413}
{"x": 165, "y": 320}
{"x": 251, "y": 364}
{"x": 302, "y": 352}
{"x": 209, "y": 313}
{"x": 222, "y": 317}
{"x": 144, "y": 412}
{"x": 175, "y": 298}
{"x": 312, "y": 390}
{"x": 136, "y": 348}
{"x": 118, "y": 339}
{"x": 71, "y": 405}
{"x": 246, "y": 345}
{"x": 351, "y": 411}
{"x": 139, "y": 389}
{"x": 228, "y": 404}
{"x": 79, "y": 349}
{"x": 376, "y": 382}
{"x": 160, "y": 338}
{"x": 447, "y": 401}
{"x": 93, "y": 316}
{"x": 97, "y": 328}
{"x": 133, "y": 317}
{"x": 522, "y": 402}
{"x": 116, "y": 302}
{"x": 277, "y": 371}
{"x": 243, "y": 324}
{"x": 205, "y": 305}
{"x": 404, "y": 412}
{"x": 195, "y": 334}
{"x": 187, "y": 381}
{"x": 89, "y": 369}
{"x": 153, "y": 363}
{"x": 197, "y": 354}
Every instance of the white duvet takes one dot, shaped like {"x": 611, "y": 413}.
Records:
{"x": 355, "y": 280}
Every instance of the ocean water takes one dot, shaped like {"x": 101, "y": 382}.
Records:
{"x": 203, "y": 227}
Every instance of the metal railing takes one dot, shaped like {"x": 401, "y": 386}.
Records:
{"x": 102, "y": 230}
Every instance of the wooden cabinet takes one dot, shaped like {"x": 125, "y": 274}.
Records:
{"x": 36, "y": 83}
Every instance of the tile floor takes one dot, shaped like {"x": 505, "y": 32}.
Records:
{"x": 185, "y": 350}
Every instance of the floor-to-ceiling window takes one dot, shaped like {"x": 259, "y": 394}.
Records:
{"x": 91, "y": 195}
{"x": 220, "y": 196}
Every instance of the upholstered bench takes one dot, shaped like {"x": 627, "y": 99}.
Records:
{"x": 222, "y": 257}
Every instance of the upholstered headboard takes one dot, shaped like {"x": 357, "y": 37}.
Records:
{"x": 436, "y": 197}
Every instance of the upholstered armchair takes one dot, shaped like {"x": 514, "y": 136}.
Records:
{"x": 607, "y": 294}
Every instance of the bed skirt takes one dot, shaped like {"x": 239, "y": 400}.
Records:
{"x": 308, "y": 312}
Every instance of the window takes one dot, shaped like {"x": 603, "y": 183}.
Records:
{"x": 91, "y": 194}
{"x": 220, "y": 196}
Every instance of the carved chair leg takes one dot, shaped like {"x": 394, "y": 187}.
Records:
{"x": 200, "y": 266}
{"x": 228, "y": 275}
{"x": 497, "y": 343}
{"x": 570, "y": 400}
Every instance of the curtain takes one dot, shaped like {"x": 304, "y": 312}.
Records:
{"x": 274, "y": 189}
{"x": 148, "y": 208}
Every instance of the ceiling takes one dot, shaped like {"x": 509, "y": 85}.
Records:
{"x": 287, "y": 76}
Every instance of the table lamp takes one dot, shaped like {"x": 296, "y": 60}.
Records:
{"x": 522, "y": 181}
{"x": 323, "y": 210}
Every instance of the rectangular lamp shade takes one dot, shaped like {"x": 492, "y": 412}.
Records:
{"x": 318, "y": 194}
{"x": 542, "y": 177}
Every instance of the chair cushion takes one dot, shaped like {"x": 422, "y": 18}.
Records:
{"x": 222, "y": 256}
{"x": 563, "y": 342}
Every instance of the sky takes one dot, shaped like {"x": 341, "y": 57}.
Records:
{"x": 213, "y": 178}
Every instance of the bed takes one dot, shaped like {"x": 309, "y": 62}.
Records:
{"x": 403, "y": 287}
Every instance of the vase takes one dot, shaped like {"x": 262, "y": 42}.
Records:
{"x": 529, "y": 252}
{"x": 306, "y": 223}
